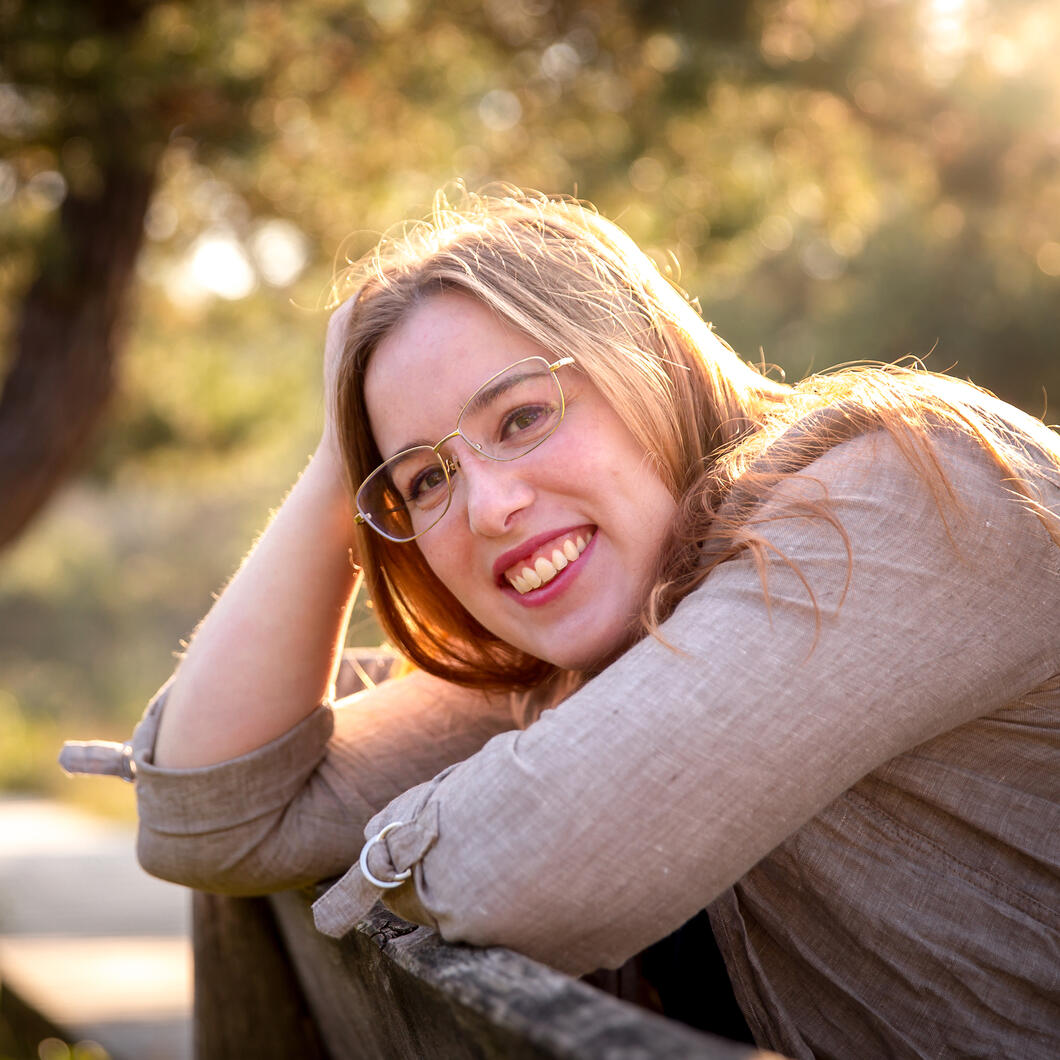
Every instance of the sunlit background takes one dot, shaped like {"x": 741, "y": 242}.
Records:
{"x": 180, "y": 181}
{"x": 832, "y": 180}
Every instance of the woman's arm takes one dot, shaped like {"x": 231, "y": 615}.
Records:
{"x": 294, "y": 810}
{"x": 636, "y": 802}
{"x": 245, "y": 782}
{"x": 264, "y": 656}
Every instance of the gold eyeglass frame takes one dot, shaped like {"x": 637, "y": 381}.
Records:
{"x": 451, "y": 464}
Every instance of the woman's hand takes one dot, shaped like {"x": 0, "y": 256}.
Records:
{"x": 333, "y": 347}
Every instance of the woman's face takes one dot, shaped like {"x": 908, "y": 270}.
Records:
{"x": 587, "y": 492}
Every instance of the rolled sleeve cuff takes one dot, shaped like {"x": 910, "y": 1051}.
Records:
{"x": 225, "y": 795}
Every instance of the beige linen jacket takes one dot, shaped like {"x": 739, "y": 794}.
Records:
{"x": 859, "y": 775}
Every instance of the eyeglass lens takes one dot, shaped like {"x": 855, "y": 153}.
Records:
{"x": 510, "y": 414}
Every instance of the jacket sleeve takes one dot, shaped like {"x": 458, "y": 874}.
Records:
{"x": 294, "y": 811}
{"x": 616, "y": 816}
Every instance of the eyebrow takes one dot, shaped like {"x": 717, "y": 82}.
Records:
{"x": 478, "y": 401}
{"x": 484, "y": 395}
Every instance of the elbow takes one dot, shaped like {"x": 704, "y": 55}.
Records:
{"x": 209, "y": 863}
{"x": 180, "y": 859}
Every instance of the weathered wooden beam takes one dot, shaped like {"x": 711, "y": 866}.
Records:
{"x": 391, "y": 990}
{"x": 248, "y": 1002}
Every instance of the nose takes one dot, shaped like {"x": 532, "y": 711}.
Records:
{"x": 495, "y": 491}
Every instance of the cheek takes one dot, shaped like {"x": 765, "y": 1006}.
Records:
{"x": 448, "y": 559}
{"x": 649, "y": 514}
{"x": 632, "y": 484}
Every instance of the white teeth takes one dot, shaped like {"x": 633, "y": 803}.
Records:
{"x": 545, "y": 571}
{"x": 546, "y": 568}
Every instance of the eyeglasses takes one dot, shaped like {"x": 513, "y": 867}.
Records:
{"x": 510, "y": 415}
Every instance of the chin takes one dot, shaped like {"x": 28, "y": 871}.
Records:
{"x": 592, "y": 658}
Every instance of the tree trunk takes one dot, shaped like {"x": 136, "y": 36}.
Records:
{"x": 62, "y": 373}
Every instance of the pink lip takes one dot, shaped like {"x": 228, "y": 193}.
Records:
{"x": 547, "y": 593}
{"x": 528, "y": 547}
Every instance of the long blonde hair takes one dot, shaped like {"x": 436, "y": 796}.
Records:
{"x": 577, "y": 285}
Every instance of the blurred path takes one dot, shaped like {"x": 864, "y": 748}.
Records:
{"x": 87, "y": 937}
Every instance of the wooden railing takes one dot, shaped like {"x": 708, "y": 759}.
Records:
{"x": 268, "y": 985}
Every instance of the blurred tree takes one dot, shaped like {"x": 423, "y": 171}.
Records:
{"x": 61, "y": 369}
{"x": 92, "y": 94}
{"x": 857, "y": 179}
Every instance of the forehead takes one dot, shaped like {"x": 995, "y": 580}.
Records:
{"x": 421, "y": 374}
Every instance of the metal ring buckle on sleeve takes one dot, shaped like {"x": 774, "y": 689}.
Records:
{"x": 400, "y": 878}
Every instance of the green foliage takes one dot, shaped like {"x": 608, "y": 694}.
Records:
{"x": 837, "y": 181}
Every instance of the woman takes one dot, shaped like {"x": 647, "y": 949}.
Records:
{"x": 801, "y": 647}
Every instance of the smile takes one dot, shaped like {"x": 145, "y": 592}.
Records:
{"x": 540, "y": 568}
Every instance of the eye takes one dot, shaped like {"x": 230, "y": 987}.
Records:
{"x": 425, "y": 486}
{"x": 525, "y": 420}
